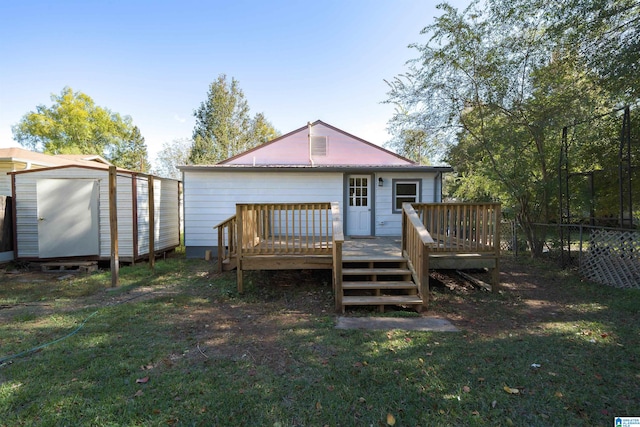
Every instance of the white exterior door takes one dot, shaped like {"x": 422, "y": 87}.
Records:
{"x": 67, "y": 217}
{"x": 359, "y": 205}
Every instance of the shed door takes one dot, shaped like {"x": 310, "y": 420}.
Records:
{"x": 67, "y": 217}
{"x": 359, "y": 206}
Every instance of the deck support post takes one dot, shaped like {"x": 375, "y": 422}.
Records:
{"x": 424, "y": 275}
{"x": 240, "y": 224}
{"x": 337, "y": 239}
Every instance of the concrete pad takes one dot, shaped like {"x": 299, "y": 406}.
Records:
{"x": 431, "y": 324}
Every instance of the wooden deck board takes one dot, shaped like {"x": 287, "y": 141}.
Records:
{"x": 382, "y": 300}
{"x": 378, "y": 271}
{"x": 379, "y": 285}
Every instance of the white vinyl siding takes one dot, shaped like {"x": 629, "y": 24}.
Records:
{"x": 211, "y": 197}
{"x": 166, "y": 212}
{"x": 387, "y": 222}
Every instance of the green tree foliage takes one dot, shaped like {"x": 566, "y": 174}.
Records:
{"x": 606, "y": 33}
{"x": 131, "y": 152}
{"x": 412, "y": 144}
{"x": 172, "y": 155}
{"x": 224, "y": 126}
{"x": 75, "y": 125}
{"x": 492, "y": 89}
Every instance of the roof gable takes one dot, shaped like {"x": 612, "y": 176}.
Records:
{"x": 330, "y": 146}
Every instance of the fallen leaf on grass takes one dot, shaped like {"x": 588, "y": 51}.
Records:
{"x": 511, "y": 390}
{"x": 318, "y": 406}
{"x": 466, "y": 389}
{"x": 391, "y": 420}
{"x": 142, "y": 380}
{"x": 138, "y": 393}
{"x": 475, "y": 413}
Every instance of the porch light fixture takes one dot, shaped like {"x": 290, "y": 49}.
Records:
{"x": 380, "y": 182}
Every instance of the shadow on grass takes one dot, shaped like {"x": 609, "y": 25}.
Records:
{"x": 207, "y": 356}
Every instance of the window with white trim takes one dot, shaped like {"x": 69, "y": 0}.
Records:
{"x": 405, "y": 191}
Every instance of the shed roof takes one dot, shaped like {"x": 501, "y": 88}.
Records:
{"x": 16, "y": 154}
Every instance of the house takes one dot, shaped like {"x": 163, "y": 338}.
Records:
{"x": 321, "y": 198}
{"x": 61, "y": 211}
{"x": 315, "y": 163}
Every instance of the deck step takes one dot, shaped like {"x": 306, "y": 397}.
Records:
{"x": 379, "y": 285}
{"x": 371, "y": 271}
{"x": 382, "y": 300}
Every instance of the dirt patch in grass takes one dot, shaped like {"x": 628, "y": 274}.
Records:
{"x": 530, "y": 295}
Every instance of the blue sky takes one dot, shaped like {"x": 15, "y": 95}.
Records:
{"x": 296, "y": 61}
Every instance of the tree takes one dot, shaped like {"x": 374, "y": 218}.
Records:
{"x": 262, "y": 130}
{"x": 75, "y": 125}
{"x": 492, "y": 92}
{"x": 606, "y": 33}
{"x": 223, "y": 124}
{"x": 131, "y": 152}
{"x": 412, "y": 144}
{"x": 172, "y": 155}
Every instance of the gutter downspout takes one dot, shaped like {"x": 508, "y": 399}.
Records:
{"x": 437, "y": 183}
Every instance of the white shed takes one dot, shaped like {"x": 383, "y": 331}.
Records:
{"x": 63, "y": 212}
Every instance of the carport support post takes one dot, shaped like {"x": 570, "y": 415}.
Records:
{"x": 152, "y": 225}
{"x": 113, "y": 225}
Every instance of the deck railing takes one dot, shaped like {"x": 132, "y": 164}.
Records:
{"x": 462, "y": 227}
{"x": 284, "y": 228}
{"x": 416, "y": 244}
{"x": 337, "y": 241}
{"x": 227, "y": 242}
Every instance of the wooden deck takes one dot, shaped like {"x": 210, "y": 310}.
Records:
{"x": 376, "y": 271}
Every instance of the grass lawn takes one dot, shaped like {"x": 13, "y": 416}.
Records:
{"x": 179, "y": 346}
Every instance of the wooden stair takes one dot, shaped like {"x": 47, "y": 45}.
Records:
{"x": 378, "y": 282}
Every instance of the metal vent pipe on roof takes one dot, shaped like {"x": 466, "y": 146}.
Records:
{"x": 309, "y": 139}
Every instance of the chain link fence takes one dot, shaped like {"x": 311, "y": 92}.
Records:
{"x": 606, "y": 255}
